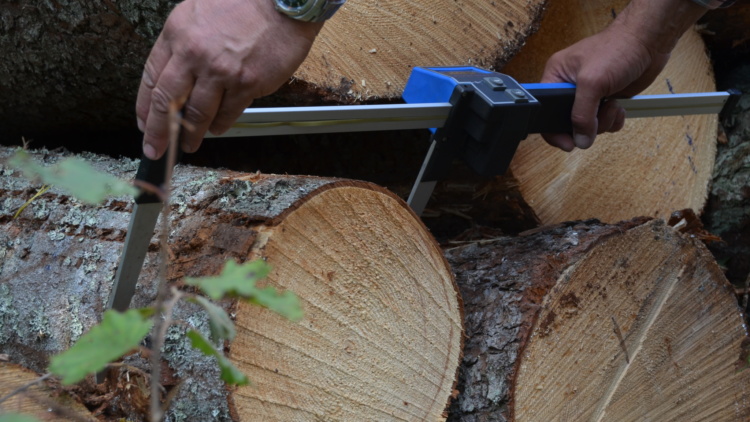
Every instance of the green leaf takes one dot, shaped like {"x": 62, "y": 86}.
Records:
{"x": 75, "y": 176}
{"x": 106, "y": 342}
{"x": 221, "y": 325}
{"x": 229, "y": 373}
{"x": 239, "y": 280}
{"x": 17, "y": 417}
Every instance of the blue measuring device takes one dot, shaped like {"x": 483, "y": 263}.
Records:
{"x": 475, "y": 115}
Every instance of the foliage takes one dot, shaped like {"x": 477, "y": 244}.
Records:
{"x": 106, "y": 342}
{"x": 17, "y": 417}
{"x": 75, "y": 176}
{"x": 221, "y": 325}
{"x": 229, "y": 373}
{"x": 239, "y": 280}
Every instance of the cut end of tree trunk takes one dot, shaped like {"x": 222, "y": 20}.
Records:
{"x": 652, "y": 167}
{"x": 381, "y": 335}
{"x": 368, "y": 49}
{"x": 626, "y": 322}
{"x": 644, "y": 327}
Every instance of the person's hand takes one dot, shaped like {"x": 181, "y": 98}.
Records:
{"x": 610, "y": 63}
{"x": 213, "y": 58}
{"x": 620, "y": 61}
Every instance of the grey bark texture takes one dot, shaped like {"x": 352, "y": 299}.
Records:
{"x": 74, "y": 64}
{"x": 58, "y": 260}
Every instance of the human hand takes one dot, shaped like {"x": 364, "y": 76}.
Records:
{"x": 212, "y": 59}
{"x": 612, "y": 63}
{"x": 620, "y": 61}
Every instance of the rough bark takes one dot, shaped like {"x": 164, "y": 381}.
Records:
{"x": 382, "y": 334}
{"x": 76, "y": 65}
{"x": 728, "y": 210}
{"x": 652, "y": 167}
{"x": 632, "y": 321}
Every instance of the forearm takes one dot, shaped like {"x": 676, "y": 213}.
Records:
{"x": 659, "y": 24}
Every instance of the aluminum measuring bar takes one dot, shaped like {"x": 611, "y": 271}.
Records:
{"x": 364, "y": 118}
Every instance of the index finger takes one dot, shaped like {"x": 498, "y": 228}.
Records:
{"x": 172, "y": 88}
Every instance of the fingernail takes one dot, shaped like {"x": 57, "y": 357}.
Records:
{"x": 141, "y": 125}
{"x": 582, "y": 141}
{"x": 149, "y": 151}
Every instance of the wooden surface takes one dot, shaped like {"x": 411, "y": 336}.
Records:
{"x": 383, "y": 329}
{"x": 645, "y": 327}
{"x": 588, "y": 321}
{"x": 368, "y": 49}
{"x": 652, "y": 167}
{"x": 381, "y": 337}
{"x": 38, "y": 400}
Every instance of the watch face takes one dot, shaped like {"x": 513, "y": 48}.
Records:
{"x": 292, "y": 4}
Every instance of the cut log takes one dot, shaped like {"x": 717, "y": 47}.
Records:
{"x": 652, "y": 167}
{"x": 382, "y": 332}
{"x": 78, "y": 67}
{"x": 368, "y": 50}
{"x": 36, "y": 399}
{"x": 592, "y": 322}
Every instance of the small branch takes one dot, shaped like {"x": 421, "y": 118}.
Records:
{"x": 162, "y": 303}
{"x": 40, "y": 192}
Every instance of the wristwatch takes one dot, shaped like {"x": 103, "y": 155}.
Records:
{"x": 308, "y": 10}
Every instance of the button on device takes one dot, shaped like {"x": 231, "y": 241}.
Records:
{"x": 519, "y": 95}
{"x": 496, "y": 83}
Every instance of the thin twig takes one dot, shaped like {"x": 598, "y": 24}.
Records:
{"x": 24, "y": 387}
{"x": 160, "y": 327}
{"x": 39, "y": 193}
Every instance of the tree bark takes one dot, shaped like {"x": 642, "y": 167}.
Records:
{"x": 633, "y": 321}
{"x": 382, "y": 331}
{"x": 728, "y": 210}
{"x": 652, "y": 167}
{"x": 76, "y": 65}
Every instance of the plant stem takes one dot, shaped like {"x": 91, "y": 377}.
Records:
{"x": 163, "y": 303}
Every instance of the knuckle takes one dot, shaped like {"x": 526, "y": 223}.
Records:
{"x": 160, "y": 100}
{"x": 149, "y": 75}
{"x": 194, "y": 115}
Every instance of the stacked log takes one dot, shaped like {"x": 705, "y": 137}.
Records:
{"x": 383, "y": 330}
{"x": 587, "y": 321}
{"x": 652, "y": 167}
{"x": 579, "y": 321}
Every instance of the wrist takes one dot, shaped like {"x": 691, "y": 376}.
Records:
{"x": 272, "y": 15}
{"x": 659, "y": 24}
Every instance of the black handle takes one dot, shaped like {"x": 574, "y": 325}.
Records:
{"x": 154, "y": 173}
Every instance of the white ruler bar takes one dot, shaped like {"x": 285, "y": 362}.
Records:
{"x": 674, "y": 104}
{"x": 365, "y": 118}
{"x": 329, "y": 119}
